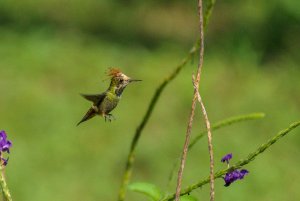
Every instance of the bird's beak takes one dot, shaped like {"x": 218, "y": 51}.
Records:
{"x": 134, "y": 80}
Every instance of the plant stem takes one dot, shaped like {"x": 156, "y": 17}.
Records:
{"x": 210, "y": 147}
{"x": 207, "y": 122}
{"x": 5, "y": 190}
{"x": 185, "y": 148}
{"x": 196, "y": 93}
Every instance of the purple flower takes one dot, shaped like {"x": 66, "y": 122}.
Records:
{"x": 233, "y": 175}
{"x": 226, "y": 158}
{"x": 230, "y": 177}
{"x": 4, "y": 146}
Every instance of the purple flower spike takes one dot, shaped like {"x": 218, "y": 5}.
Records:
{"x": 230, "y": 177}
{"x": 4, "y": 143}
{"x": 4, "y": 147}
{"x": 226, "y": 158}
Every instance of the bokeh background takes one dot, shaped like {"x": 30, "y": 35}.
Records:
{"x": 52, "y": 50}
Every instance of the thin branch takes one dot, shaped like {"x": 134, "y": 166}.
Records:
{"x": 210, "y": 150}
{"x": 210, "y": 5}
{"x": 159, "y": 90}
{"x": 237, "y": 165}
{"x": 191, "y": 118}
{"x": 210, "y": 146}
{"x": 185, "y": 148}
{"x": 5, "y": 190}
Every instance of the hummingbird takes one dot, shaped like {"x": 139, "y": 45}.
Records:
{"x": 105, "y": 102}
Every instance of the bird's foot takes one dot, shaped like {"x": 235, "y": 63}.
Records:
{"x": 109, "y": 117}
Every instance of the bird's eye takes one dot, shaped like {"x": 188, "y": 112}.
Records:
{"x": 121, "y": 80}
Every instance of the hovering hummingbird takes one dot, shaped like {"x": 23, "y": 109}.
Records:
{"x": 105, "y": 102}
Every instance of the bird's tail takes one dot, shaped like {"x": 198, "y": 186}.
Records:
{"x": 90, "y": 114}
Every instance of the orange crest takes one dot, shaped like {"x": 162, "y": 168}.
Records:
{"x": 113, "y": 72}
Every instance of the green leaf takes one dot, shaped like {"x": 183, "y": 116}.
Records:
{"x": 188, "y": 198}
{"x": 147, "y": 189}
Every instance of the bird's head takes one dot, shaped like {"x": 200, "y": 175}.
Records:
{"x": 119, "y": 80}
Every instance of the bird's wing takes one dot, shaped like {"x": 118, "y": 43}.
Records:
{"x": 95, "y": 98}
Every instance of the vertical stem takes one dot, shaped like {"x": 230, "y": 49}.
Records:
{"x": 207, "y": 123}
{"x": 185, "y": 148}
{"x": 210, "y": 149}
{"x": 196, "y": 86}
{"x": 5, "y": 191}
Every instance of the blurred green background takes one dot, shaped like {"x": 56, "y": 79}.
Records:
{"x": 52, "y": 50}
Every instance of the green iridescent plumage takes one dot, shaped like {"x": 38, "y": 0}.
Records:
{"x": 104, "y": 103}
